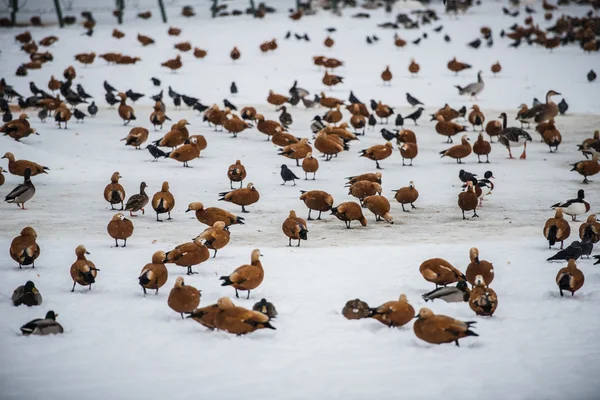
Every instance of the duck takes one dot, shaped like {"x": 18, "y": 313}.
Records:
{"x": 24, "y": 249}
{"x": 158, "y": 117}
{"x": 377, "y": 153}
{"x": 154, "y": 275}
{"x": 183, "y": 298}
{"x": 238, "y": 320}
{"x": 2, "y": 178}
{"x": 234, "y": 124}
{"x": 42, "y": 327}
{"x": 386, "y": 75}
{"x": 216, "y": 237}
{"x": 383, "y": 111}
{"x": 177, "y": 136}
{"x": 83, "y": 271}
{"x": 523, "y": 109}
{"x": 349, "y": 211}
{"x": 448, "y": 113}
{"x": 236, "y": 173}
{"x": 453, "y": 294}
{"x": 268, "y": 127}
{"x": 574, "y": 207}
{"x": 544, "y": 111}
{"x": 394, "y": 313}
{"x": 481, "y": 147}
{"x": 188, "y": 254}
{"x": 247, "y": 277}
{"x": 121, "y": 228}
{"x": 333, "y": 116}
{"x": 372, "y": 177}
{"x": 380, "y": 206}
{"x": 136, "y": 137}
{"x": 358, "y": 122}
{"x": 513, "y": 137}
{"x": 211, "y": 215}
{"x": 550, "y": 135}
{"x": 587, "y": 168}
{"x": 241, "y": 197}
{"x": 407, "y": 195}
{"x": 468, "y": 200}
{"x": 126, "y": 112}
{"x": 332, "y": 80}
{"x": 18, "y": 167}
{"x": 557, "y": 229}
{"x": 356, "y": 309}
{"x": 438, "y": 329}
{"x": 183, "y": 46}
{"x": 310, "y": 165}
{"x": 413, "y": 67}
{"x": 19, "y": 128}
{"x": 216, "y": 116}
{"x": 23, "y": 192}
{"x": 440, "y": 272}
{"x": 26, "y": 294}
{"x": 329, "y": 144}
{"x": 329, "y": 42}
{"x": 493, "y": 128}
{"x": 62, "y": 114}
{"x": 319, "y": 61}
{"x": 235, "y": 54}
{"x": 163, "y": 202}
{"x": 496, "y": 68}
{"x": 114, "y": 193}
{"x": 591, "y": 229}
{"x": 265, "y": 307}
{"x": 173, "y": 64}
{"x": 483, "y": 299}
{"x": 570, "y": 278}
{"x": 476, "y": 117}
{"x": 248, "y": 114}
{"x": 459, "y": 151}
{"x": 286, "y": 118}
{"x": 448, "y": 128}
{"x": 479, "y": 267}
{"x": 294, "y": 228}
{"x": 591, "y": 146}
{"x": 362, "y": 189}
{"x": 138, "y": 201}
{"x": 276, "y": 99}
{"x": 186, "y": 152}
{"x": 457, "y": 66}
{"x": 206, "y": 316}
{"x": 472, "y": 89}
{"x": 316, "y": 200}
{"x": 145, "y": 40}
{"x": 296, "y": 151}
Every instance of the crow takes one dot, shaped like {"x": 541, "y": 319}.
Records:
{"x": 465, "y": 176}
{"x": 200, "y": 107}
{"x": 233, "y": 88}
{"x": 287, "y": 175}
{"x": 109, "y": 88}
{"x": 34, "y": 89}
{"x": 156, "y": 152}
{"x": 133, "y": 95}
{"x": 330, "y": 29}
{"x": 288, "y": 34}
{"x": 369, "y": 41}
{"x": 229, "y": 105}
{"x": 372, "y": 121}
{"x": 177, "y": 101}
{"x": 439, "y": 28}
{"x": 416, "y": 115}
{"x": 412, "y": 100}
{"x": 563, "y": 107}
{"x": 173, "y": 94}
{"x": 81, "y": 92}
{"x": 7, "y": 116}
{"x": 79, "y": 115}
{"x": 155, "y": 82}
{"x": 574, "y": 251}
{"x": 447, "y": 38}
{"x": 189, "y": 101}
{"x": 387, "y": 135}
{"x": 158, "y": 97}
{"x": 417, "y": 41}
{"x": 373, "y": 104}
{"x": 353, "y": 99}
{"x": 399, "y": 120}
{"x": 111, "y": 99}
{"x": 305, "y": 37}
{"x": 475, "y": 43}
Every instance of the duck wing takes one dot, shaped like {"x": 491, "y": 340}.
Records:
{"x": 513, "y": 134}
{"x": 16, "y": 192}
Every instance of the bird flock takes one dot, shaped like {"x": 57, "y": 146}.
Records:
{"x": 335, "y": 131}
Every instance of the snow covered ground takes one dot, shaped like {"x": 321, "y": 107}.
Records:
{"x": 119, "y": 344}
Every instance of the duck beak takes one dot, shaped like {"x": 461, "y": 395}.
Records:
{"x": 87, "y": 252}
{"x": 261, "y": 255}
{"x": 188, "y": 210}
{"x": 416, "y": 317}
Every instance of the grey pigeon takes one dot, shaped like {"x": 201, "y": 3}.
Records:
{"x": 93, "y": 109}
{"x": 412, "y": 100}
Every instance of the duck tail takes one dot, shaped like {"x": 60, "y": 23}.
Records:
{"x": 460, "y": 89}
{"x": 303, "y": 233}
{"x": 268, "y": 325}
{"x": 167, "y": 118}
{"x": 362, "y": 153}
{"x": 470, "y": 333}
{"x": 222, "y": 195}
{"x": 565, "y": 282}
{"x": 226, "y": 281}
{"x": 443, "y": 153}
{"x": 144, "y": 280}
{"x": 45, "y": 169}
{"x": 239, "y": 220}
{"x": 552, "y": 235}
{"x": 597, "y": 260}
{"x": 554, "y": 257}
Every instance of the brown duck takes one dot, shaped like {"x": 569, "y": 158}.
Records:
{"x": 173, "y": 64}
{"x": 18, "y": 167}
{"x": 242, "y": 197}
{"x": 372, "y": 177}
{"x": 114, "y": 193}
{"x": 296, "y": 151}
{"x": 247, "y": 277}
{"x": 483, "y": 300}
{"x": 163, "y": 202}
{"x": 407, "y": 195}
{"x": 348, "y": 212}
{"x": 209, "y": 216}
{"x": 590, "y": 228}
{"x": 380, "y": 206}
{"x": 310, "y": 165}
{"x": 158, "y": 118}
{"x": 83, "y": 271}
{"x": 136, "y": 137}
{"x": 183, "y": 298}
{"x": 476, "y": 117}
{"x": 294, "y": 228}
{"x": 394, "y": 313}
{"x": 557, "y": 229}
{"x": 120, "y": 228}
{"x": 438, "y": 329}
{"x": 176, "y": 136}
{"x": 448, "y": 128}
{"x": 236, "y": 173}
{"x": 587, "y": 168}
{"x": 440, "y": 272}
{"x": 186, "y": 152}
{"x": 377, "y": 153}
{"x": 216, "y": 237}
{"x": 238, "y": 320}
{"x": 459, "y": 151}
{"x": 125, "y": 112}
{"x": 479, "y": 267}
{"x": 317, "y": 200}
{"x": 408, "y": 151}
{"x": 468, "y": 200}
{"x": 24, "y": 249}
{"x": 206, "y": 316}
{"x": 570, "y": 278}
{"x": 482, "y": 147}
{"x": 188, "y": 254}
{"x": 154, "y": 275}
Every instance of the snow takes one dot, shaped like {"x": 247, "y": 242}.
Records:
{"x": 119, "y": 344}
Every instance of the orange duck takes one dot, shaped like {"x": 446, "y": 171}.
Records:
{"x": 377, "y": 153}
{"x": 125, "y": 112}
{"x": 173, "y": 64}
{"x": 332, "y": 80}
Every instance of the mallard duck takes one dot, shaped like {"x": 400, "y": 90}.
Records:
{"x": 46, "y": 326}
{"x": 138, "y": 201}
{"x": 356, "y": 309}
{"x": 27, "y": 294}
{"x": 513, "y": 137}
{"x": 438, "y": 329}
{"x": 452, "y": 294}
{"x": 247, "y": 277}
{"x": 266, "y": 308}
{"x": 22, "y": 193}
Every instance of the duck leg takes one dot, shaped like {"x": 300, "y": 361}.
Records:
{"x": 158, "y": 220}
{"x": 290, "y": 242}
{"x": 487, "y": 156}
{"x": 319, "y": 217}
{"x": 72, "y": 290}
{"x": 169, "y": 213}
{"x": 478, "y": 159}
{"x": 412, "y": 205}
{"x": 510, "y": 154}
{"x": 236, "y": 294}
{"x": 305, "y": 175}
{"x": 524, "y": 155}
{"x": 377, "y": 164}
{"x": 309, "y": 218}
{"x": 403, "y": 208}
{"x": 314, "y": 176}
{"x": 247, "y": 297}
{"x": 189, "y": 270}
{"x": 182, "y": 317}
{"x": 215, "y": 253}
{"x": 585, "y": 180}
{"x": 475, "y": 214}
{"x": 297, "y": 163}
{"x": 116, "y": 243}
{"x": 125, "y": 243}
{"x": 463, "y": 211}
{"x": 244, "y": 209}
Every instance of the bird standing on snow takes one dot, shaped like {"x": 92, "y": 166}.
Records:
{"x": 574, "y": 207}
{"x": 233, "y": 88}
{"x": 472, "y": 89}
{"x": 412, "y": 100}
{"x": 513, "y": 137}
{"x": 23, "y": 192}
{"x": 287, "y": 175}
{"x": 574, "y": 251}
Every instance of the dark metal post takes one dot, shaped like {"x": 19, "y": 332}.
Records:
{"x": 61, "y": 22}
{"x": 120, "y": 8}
{"x": 13, "y": 11}
{"x": 161, "y": 4}
{"x": 213, "y": 8}
{"x": 252, "y": 7}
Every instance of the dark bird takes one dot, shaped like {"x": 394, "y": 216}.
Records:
{"x": 93, "y": 109}
{"x": 287, "y": 175}
{"x": 133, "y": 95}
{"x": 306, "y": 38}
{"x": 353, "y": 99}
{"x": 155, "y": 82}
{"x": 563, "y": 107}
{"x": 502, "y": 33}
{"x": 425, "y": 35}
{"x": 81, "y": 92}
{"x": 111, "y": 99}
{"x": 399, "y": 120}
{"x": 462, "y": 112}
{"x": 373, "y": 104}
{"x": 490, "y": 42}
{"x": 536, "y": 102}
{"x": 439, "y": 28}
{"x": 387, "y": 135}
{"x": 177, "y": 101}
{"x": 73, "y": 99}
{"x": 295, "y": 90}
{"x": 317, "y": 124}
{"x": 158, "y": 97}
{"x": 465, "y": 176}
{"x": 529, "y": 10}
{"x": 23, "y": 192}
{"x": 200, "y": 107}
{"x": 308, "y": 103}
{"x": 330, "y": 29}
{"x": 417, "y": 41}
{"x": 22, "y": 103}
{"x": 34, "y": 89}
{"x": 88, "y": 33}
{"x": 188, "y": 100}
{"x": 43, "y": 114}
{"x": 475, "y": 43}
{"x": 375, "y": 38}
{"x": 228, "y": 104}
{"x": 288, "y": 34}
{"x": 372, "y": 121}
{"x": 574, "y": 251}
{"x": 109, "y": 88}
{"x": 447, "y": 38}
{"x": 156, "y": 152}
{"x": 591, "y": 76}
{"x": 416, "y": 115}
{"x": 7, "y": 116}
{"x": 173, "y": 94}
{"x": 298, "y": 37}
{"x": 233, "y": 88}
{"x": 285, "y": 117}
{"x": 369, "y": 41}
{"x": 587, "y": 245}
{"x": 79, "y": 115}
{"x": 294, "y": 99}
{"x": 515, "y": 44}
{"x": 412, "y": 100}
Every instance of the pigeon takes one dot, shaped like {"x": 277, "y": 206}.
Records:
{"x": 177, "y": 101}
{"x": 81, "y": 92}
{"x": 73, "y": 99}
{"x": 79, "y": 115}
{"x": 229, "y": 105}
{"x": 156, "y": 152}
{"x": 375, "y": 38}
{"x": 133, "y": 95}
{"x": 34, "y": 89}
{"x": 465, "y": 176}
{"x": 200, "y": 107}
{"x": 43, "y": 114}
{"x": 288, "y": 34}
{"x": 475, "y": 43}
{"x": 447, "y": 38}
{"x": 574, "y": 251}
{"x": 233, "y": 88}
{"x": 294, "y": 99}
{"x": 287, "y": 175}
{"x": 173, "y": 94}
{"x": 109, "y": 88}
{"x": 399, "y": 120}
{"x": 439, "y": 28}
{"x": 372, "y": 121}
{"x": 416, "y": 115}
{"x": 591, "y": 76}
{"x": 7, "y": 116}
{"x": 111, "y": 99}
{"x": 189, "y": 101}
{"x": 158, "y": 97}
{"x": 317, "y": 124}
{"x": 412, "y": 101}
{"x": 353, "y": 99}
{"x": 155, "y": 82}
{"x": 93, "y": 109}
{"x": 387, "y": 135}
{"x": 563, "y": 107}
